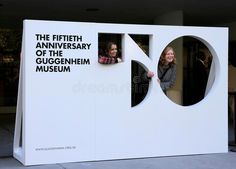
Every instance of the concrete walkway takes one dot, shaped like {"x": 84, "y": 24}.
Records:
{"x": 209, "y": 161}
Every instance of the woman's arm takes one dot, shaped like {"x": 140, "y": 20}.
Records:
{"x": 171, "y": 76}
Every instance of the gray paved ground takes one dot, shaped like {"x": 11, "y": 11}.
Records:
{"x": 209, "y": 161}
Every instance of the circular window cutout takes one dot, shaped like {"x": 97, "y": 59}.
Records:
{"x": 185, "y": 70}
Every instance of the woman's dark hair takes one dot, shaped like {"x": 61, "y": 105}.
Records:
{"x": 109, "y": 44}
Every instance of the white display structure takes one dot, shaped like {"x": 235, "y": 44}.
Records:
{"x": 84, "y": 113}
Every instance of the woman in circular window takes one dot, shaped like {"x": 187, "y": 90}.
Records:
{"x": 167, "y": 69}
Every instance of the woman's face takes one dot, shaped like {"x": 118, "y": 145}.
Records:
{"x": 169, "y": 57}
{"x": 112, "y": 51}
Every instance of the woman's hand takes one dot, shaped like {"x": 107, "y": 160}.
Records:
{"x": 150, "y": 74}
{"x": 119, "y": 60}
